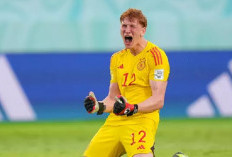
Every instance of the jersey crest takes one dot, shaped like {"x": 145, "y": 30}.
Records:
{"x": 141, "y": 65}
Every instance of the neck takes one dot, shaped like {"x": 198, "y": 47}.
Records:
{"x": 139, "y": 47}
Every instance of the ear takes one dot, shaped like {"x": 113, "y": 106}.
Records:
{"x": 143, "y": 31}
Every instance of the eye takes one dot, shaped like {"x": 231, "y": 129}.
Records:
{"x": 133, "y": 26}
{"x": 123, "y": 26}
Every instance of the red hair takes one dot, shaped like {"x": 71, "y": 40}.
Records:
{"x": 134, "y": 14}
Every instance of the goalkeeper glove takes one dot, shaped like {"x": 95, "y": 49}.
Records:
{"x": 92, "y": 105}
{"x": 121, "y": 107}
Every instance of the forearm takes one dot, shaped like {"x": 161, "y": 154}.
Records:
{"x": 151, "y": 104}
{"x": 109, "y": 103}
{"x": 156, "y": 101}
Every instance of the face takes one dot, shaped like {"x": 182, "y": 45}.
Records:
{"x": 132, "y": 32}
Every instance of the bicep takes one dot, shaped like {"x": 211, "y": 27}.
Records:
{"x": 158, "y": 88}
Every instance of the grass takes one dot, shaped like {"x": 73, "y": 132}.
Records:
{"x": 194, "y": 137}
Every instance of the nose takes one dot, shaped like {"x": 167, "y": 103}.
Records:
{"x": 127, "y": 30}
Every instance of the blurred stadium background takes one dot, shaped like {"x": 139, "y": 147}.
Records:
{"x": 52, "y": 53}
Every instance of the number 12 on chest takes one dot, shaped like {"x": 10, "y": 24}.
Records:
{"x": 128, "y": 81}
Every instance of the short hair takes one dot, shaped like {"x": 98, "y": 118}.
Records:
{"x": 132, "y": 13}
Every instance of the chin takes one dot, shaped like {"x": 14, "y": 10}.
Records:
{"x": 128, "y": 46}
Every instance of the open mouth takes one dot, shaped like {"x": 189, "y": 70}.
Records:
{"x": 128, "y": 39}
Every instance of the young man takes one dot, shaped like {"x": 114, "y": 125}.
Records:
{"x": 138, "y": 83}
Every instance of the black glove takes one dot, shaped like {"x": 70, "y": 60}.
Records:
{"x": 121, "y": 107}
{"x": 92, "y": 105}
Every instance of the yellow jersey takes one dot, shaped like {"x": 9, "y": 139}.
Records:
{"x": 132, "y": 73}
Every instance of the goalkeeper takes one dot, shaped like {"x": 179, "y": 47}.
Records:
{"x": 139, "y": 75}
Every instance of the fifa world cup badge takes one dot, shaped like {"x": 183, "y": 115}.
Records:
{"x": 159, "y": 74}
{"x": 141, "y": 65}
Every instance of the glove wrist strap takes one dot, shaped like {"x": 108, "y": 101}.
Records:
{"x": 135, "y": 108}
{"x": 102, "y": 108}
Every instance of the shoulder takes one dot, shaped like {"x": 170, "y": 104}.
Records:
{"x": 116, "y": 57}
{"x": 152, "y": 49}
{"x": 118, "y": 54}
{"x": 155, "y": 54}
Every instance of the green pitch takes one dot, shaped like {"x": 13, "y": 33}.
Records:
{"x": 194, "y": 137}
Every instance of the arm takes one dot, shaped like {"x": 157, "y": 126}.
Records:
{"x": 156, "y": 101}
{"x": 110, "y": 99}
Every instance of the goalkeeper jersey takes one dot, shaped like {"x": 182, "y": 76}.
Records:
{"x": 133, "y": 73}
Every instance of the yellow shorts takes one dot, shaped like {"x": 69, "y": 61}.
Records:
{"x": 114, "y": 141}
